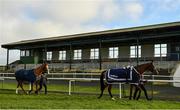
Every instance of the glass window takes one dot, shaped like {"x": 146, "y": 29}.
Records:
{"x": 133, "y": 51}
{"x": 49, "y": 55}
{"x": 113, "y": 52}
{"x": 94, "y": 54}
{"x": 22, "y": 53}
{"x": 160, "y": 50}
{"x": 27, "y": 53}
{"x": 77, "y": 54}
{"x": 62, "y": 55}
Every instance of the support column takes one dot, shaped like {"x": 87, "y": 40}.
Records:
{"x": 70, "y": 57}
{"x": 45, "y": 54}
{"x": 100, "y": 57}
{"x": 7, "y": 62}
{"x": 137, "y": 49}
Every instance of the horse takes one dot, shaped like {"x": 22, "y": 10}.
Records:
{"x": 138, "y": 88}
{"x": 41, "y": 82}
{"x": 29, "y": 76}
{"x": 137, "y": 73}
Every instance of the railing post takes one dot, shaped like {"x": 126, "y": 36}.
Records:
{"x": 152, "y": 92}
{"x": 69, "y": 87}
{"x": 120, "y": 95}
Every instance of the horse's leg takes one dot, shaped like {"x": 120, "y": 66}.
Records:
{"x": 31, "y": 87}
{"x": 136, "y": 90}
{"x": 131, "y": 90}
{"x": 17, "y": 87}
{"x": 36, "y": 87}
{"x": 145, "y": 92}
{"x": 103, "y": 85}
{"x": 109, "y": 90}
{"x": 102, "y": 90}
{"x": 139, "y": 94}
{"x": 21, "y": 85}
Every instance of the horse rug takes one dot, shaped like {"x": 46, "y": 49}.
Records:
{"x": 25, "y": 75}
{"x": 127, "y": 75}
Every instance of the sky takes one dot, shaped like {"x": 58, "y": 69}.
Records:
{"x": 32, "y": 19}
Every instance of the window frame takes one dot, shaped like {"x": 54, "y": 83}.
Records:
{"x": 94, "y": 53}
{"x": 77, "y": 54}
{"x": 49, "y": 55}
{"x": 62, "y": 55}
{"x": 160, "y": 50}
{"x": 133, "y": 51}
{"x": 113, "y": 52}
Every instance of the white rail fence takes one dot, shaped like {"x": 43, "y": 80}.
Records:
{"x": 73, "y": 77}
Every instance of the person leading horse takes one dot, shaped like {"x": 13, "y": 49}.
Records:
{"x": 29, "y": 76}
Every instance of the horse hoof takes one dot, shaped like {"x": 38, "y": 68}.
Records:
{"x": 113, "y": 98}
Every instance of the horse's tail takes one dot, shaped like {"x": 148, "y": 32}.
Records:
{"x": 102, "y": 80}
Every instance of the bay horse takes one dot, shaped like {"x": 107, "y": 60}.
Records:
{"x": 29, "y": 76}
{"x": 139, "y": 71}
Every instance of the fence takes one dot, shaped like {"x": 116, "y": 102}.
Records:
{"x": 88, "y": 77}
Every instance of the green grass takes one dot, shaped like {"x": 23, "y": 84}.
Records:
{"x": 10, "y": 100}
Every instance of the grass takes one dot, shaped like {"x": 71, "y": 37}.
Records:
{"x": 53, "y": 100}
{"x": 9, "y": 100}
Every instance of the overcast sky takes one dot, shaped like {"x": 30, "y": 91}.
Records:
{"x": 31, "y": 19}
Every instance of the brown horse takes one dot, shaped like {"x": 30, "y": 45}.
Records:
{"x": 29, "y": 76}
{"x": 139, "y": 70}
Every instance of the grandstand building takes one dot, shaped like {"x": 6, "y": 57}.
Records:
{"x": 105, "y": 49}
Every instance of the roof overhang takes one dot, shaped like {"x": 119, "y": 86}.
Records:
{"x": 100, "y": 34}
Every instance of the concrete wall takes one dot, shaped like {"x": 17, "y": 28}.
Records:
{"x": 124, "y": 51}
{"x": 147, "y": 50}
{"x": 85, "y": 53}
{"x": 55, "y": 55}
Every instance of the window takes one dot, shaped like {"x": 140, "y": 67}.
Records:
{"x": 160, "y": 50}
{"x": 113, "y": 52}
{"x": 49, "y": 56}
{"x": 22, "y": 53}
{"x": 77, "y": 54}
{"x": 27, "y": 53}
{"x": 177, "y": 49}
{"x": 133, "y": 51}
{"x": 94, "y": 54}
{"x": 62, "y": 55}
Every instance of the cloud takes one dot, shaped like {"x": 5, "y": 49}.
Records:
{"x": 30, "y": 19}
{"x": 134, "y": 10}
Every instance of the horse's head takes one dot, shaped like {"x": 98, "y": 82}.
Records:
{"x": 146, "y": 67}
{"x": 152, "y": 68}
{"x": 45, "y": 68}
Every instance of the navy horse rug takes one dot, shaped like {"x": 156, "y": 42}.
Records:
{"x": 127, "y": 75}
{"x": 25, "y": 75}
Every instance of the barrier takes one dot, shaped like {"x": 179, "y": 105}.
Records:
{"x": 74, "y": 79}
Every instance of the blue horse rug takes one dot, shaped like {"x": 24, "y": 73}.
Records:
{"x": 25, "y": 75}
{"x": 127, "y": 75}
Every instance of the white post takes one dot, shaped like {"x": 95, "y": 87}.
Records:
{"x": 29, "y": 86}
{"x": 69, "y": 87}
{"x": 120, "y": 96}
